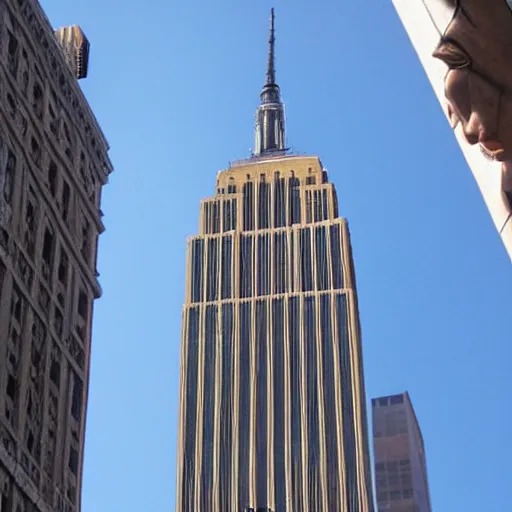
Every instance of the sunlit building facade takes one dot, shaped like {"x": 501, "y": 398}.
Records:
{"x": 272, "y": 400}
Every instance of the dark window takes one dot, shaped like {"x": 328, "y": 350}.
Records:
{"x": 9, "y": 177}
{"x": 47, "y": 255}
{"x": 55, "y": 372}
{"x": 226, "y": 407}
{"x": 309, "y": 212}
{"x": 306, "y": 260}
{"x": 76, "y": 400}
{"x": 52, "y": 178}
{"x": 297, "y": 398}
{"x": 312, "y": 409}
{"x": 322, "y": 265}
{"x": 263, "y": 204}
{"x": 279, "y": 202}
{"x": 248, "y": 206}
{"x": 38, "y": 101}
{"x": 73, "y": 461}
{"x": 82, "y": 304}
{"x": 197, "y": 270}
{"x": 66, "y": 193}
{"x": 397, "y": 399}
{"x": 17, "y": 307}
{"x": 226, "y": 287}
{"x": 191, "y": 407}
{"x": 63, "y": 268}
{"x": 30, "y": 441}
{"x": 263, "y": 274}
{"x": 13, "y": 45}
{"x": 36, "y": 151}
{"x": 12, "y": 105}
{"x": 246, "y": 265}
{"x": 293, "y": 201}
{"x": 11, "y": 387}
{"x": 317, "y": 203}
{"x": 336, "y": 261}
{"x": 310, "y": 180}
{"x": 278, "y": 357}
{"x": 244, "y": 420}
{"x": 215, "y": 217}
{"x": 210, "y": 345}
{"x": 261, "y": 401}
{"x": 280, "y": 268}
{"x": 383, "y": 402}
{"x": 212, "y": 279}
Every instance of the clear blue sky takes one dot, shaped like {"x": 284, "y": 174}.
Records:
{"x": 174, "y": 86}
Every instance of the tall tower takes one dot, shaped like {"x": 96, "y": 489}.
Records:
{"x": 272, "y": 400}
{"x": 53, "y": 164}
{"x": 400, "y": 463}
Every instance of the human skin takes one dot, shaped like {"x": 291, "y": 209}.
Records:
{"x": 477, "y": 48}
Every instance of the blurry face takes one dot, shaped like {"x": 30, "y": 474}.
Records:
{"x": 477, "y": 48}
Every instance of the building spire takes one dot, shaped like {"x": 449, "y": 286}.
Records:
{"x": 269, "y": 134}
{"x": 271, "y": 68}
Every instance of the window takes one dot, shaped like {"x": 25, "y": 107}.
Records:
{"x": 82, "y": 305}
{"x": 36, "y": 151}
{"x": 66, "y": 192}
{"x": 11, "y": 387}
{"x": 52, "y": 178}
{"x": 397, "y": 399}
{"x": 47, "y": 246}
{"x": 12, "y": 105}
{"x": 395, "y": 495}
{"x": 63, "y": 267}
{"x": 12, "y": 57}
{"x": 76, "y": 401}
{"x": 383, "y": 402}
{"x": 17, "y": 307}
{"x": 55, "y": 373}
{"x": 73, "y": 461}
{"x": 38, "y": 100}
{"x": 9, "y": 178}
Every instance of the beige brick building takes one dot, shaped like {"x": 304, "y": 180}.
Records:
{"x": 272, "y": 399}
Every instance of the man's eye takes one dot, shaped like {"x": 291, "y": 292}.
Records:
{"x": 452, "y": 56}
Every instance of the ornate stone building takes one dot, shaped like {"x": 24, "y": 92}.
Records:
{"x": 272, "y": 400}
{"x": 53, "y": 164}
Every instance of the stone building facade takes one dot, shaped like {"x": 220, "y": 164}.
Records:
{"x": 53, "y": 164}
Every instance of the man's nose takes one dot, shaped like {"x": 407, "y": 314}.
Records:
{"x": 473, "y": 128}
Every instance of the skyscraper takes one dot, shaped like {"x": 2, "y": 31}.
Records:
{"x": 272, "y": 400}
{"x": 53, "y": 164}
{"x": 400, "y": 465}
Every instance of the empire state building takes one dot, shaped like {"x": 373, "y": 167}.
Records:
{"x": 272, "y": 400}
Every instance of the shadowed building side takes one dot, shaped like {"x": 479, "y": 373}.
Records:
{"x": 53, "y": 165}
{"x": 400, "y": 463}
